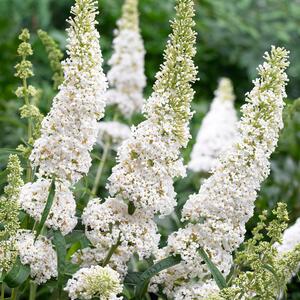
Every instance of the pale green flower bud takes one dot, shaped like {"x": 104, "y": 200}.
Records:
{"x": 24, "y": 49}
{"x": 24, "y": 69}
{"x": 96, "y": 281}
{"x": 25, "y": 35}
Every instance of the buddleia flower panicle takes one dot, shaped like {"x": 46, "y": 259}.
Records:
{"x": 141, "y": 183}
{"x": 261, "y": 270}
{"x": 38, "y": 254}
{"x": 218, "y": 130}
{"x": 126, "y": 76}
{"x": 217, "y": 215}
{"x": 70, "y": 129}
{"x": 55, "y": 56}
{"x": 95, "y": 282}
{"x": 9, "y": 213}
{"x": 24, "y": 70}
{"x": 169, "y": 105}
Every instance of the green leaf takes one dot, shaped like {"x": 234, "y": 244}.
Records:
{"x": 61, "y": 250}
{"x": 77, "y": 236}
{"x": 111, "y": 251}
{"x": 145, "y": 277}
{"x": 217, "y": 275}
{"x": 17, "y": 275}
{"x": 47, "y": 208}
{"x": 132, "y": 278}
{"x": 9, "y": 151}
{"x": 27, "y": 144}
{"x": 73, "y": 249}
{"x": 71, "y": 268}
{"x": 5, "y": 152}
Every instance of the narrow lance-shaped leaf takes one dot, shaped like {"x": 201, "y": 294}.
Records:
{"x": 60, "y": 246}
{"x": 133, "y": 278}
{"x": 217, "y": 275}
{"x": 165, "y": 263}
{"x": 47, "y": 208}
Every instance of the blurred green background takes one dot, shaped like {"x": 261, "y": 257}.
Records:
{"x": 232, "y": 37}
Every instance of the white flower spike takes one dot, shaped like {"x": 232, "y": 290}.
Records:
{"x": 70, "y": 130}
{"x": 218, "y": 130}
{"x": 126, "y": 76}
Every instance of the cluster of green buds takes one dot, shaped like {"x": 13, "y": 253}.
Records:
{"x": 9, "y": 213}
{"x": 260, "y": 271}
{"x": 55, "y": 56}
{"x": 29, "y": 110}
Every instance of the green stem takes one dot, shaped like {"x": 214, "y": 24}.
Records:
{"x": 32, "y": 292}
{"x": 35, "y": 225}
{"x": 13, "y": 294}
{"x": 101, "y": 167}
{"x": 29, "y": 172}
{"x": 27, "y": 102}
{"x": 111, "y": 252}
{"x": 29, "y": 130}
{"x": 2, "y": 291}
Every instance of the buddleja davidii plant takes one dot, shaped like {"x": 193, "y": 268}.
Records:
{"x": 260, "y": 271}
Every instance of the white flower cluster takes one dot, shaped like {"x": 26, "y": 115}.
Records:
{"x": 126, "y": 76}
{"x": 218, "y": 130}
{"x": 33, "y": 198}
{"x": 176, "y": 280}
{"x": 148, "y": 162}
{"x": 114, "y": 131}
{"x": 95, "y": 282}
{"x": 70, "y": 130}
{"x": 291, "y": 238}
{"x": 196, "y": 291}
{"x": 39, "y": 255}
{"x": 94, "y": 256}
{"x": 109, "y": 223}
{"x": 141, "y": 184}
{"x": 219, "y": 212}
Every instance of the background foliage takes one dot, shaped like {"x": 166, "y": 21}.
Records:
{"x": 232, "y": 36}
